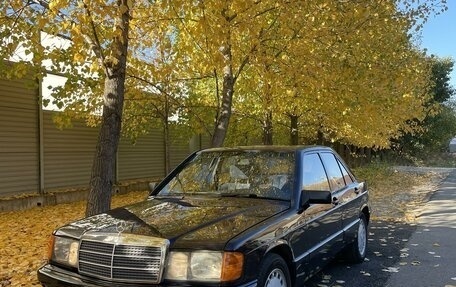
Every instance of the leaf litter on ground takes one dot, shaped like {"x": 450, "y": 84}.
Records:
{"x": 25, "y": 236}
{"x": 397, "y": 196}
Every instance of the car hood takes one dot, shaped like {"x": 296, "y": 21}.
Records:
{"x": 210, "y": 222}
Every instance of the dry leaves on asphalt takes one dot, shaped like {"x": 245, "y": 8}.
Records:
{"x": 24, "y": 237}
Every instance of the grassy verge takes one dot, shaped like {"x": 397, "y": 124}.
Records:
{"x": 396, "y": 195}
{"x": 428, "y": 159}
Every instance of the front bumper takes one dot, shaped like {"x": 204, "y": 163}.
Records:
{"x": 52, "y": 276}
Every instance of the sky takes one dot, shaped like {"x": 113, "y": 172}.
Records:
{"x": 439, "y": 35}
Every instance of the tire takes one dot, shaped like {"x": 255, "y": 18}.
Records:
{"x": 274, "y": 272}
{"x": 356, "y": 251}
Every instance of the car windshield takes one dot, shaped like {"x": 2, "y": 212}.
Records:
{"x": 261, "y": 174}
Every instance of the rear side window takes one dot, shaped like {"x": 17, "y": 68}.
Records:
{"x": 313, "y": 174}
{"x": 335, "y": 177}
{"x": 347, "y": 177}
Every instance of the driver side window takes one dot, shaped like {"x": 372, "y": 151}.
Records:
{"x": 313, "y": 174}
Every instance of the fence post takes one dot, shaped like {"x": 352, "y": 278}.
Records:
{"x": 40, "y": 136}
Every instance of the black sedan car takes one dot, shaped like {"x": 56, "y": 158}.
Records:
{"x": 248, "y": 216}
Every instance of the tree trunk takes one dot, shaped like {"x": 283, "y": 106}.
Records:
{"x": 223, "y": 119}
{"x": 294, "y": 131}
{"x": 320, "y": 136}
{"x": 103, "y": 167}
{"x": 166, "y": 137}
{"x": 267, "y": 114}
{"x": 267, "y": 128}
{"x": 167, "y": 148}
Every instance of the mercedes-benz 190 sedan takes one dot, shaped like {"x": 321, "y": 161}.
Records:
{"x": 248, "y": 216}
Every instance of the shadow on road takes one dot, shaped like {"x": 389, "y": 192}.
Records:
{"x": 385, "y": 250}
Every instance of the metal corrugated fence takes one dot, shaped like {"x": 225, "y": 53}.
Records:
{"x": 19, "y": 153}
{"x": 66, "y": 155}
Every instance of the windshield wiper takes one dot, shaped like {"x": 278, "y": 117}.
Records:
{"x": 167, "y": 196}
{"x": 249, "y": 195}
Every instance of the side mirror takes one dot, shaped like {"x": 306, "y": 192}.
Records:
{"x": 319, "y": 196}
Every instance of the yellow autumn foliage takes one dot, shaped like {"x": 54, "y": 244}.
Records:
{"x": 341, "y": 67}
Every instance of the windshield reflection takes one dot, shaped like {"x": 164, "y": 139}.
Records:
{"x": 236, "y": 173}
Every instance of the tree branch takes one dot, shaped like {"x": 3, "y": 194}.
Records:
{"x": 96, "y": 46}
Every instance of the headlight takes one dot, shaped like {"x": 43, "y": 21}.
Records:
{"x": 208, "y": 266}
{"x": 65, "y": 251}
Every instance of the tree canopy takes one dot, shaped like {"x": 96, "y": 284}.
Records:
{"x": 438, "y": 127}
{"x": 331, "y": 70}
{"x": 441, "y": 69}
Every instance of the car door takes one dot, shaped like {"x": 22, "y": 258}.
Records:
{"x": 353, "y": 201}
{"x": 319, "y": 224}
{"x": 344, "y": 190}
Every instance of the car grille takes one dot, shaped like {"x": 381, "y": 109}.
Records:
{"x": 124, "y": 262}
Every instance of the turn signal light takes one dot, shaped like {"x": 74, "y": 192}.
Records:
{"x": 233, "y": 262}
{"x": 50, "y": 247}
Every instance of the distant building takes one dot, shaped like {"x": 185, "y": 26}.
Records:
{"x": 452, "y": 145}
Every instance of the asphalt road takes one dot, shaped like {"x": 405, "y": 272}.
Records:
{"x": 400, "y": 255}
{"x": 386, "y": 240}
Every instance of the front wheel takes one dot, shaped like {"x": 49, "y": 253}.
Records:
{"x": 274, "y": 272}
{"x": 356, "y": 251}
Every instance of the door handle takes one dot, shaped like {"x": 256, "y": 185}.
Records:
{"x": 335, "y": 200}
{"x": 356, "y": 190}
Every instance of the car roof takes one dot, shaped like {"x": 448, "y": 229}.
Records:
{"x": 273, "y": 148}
